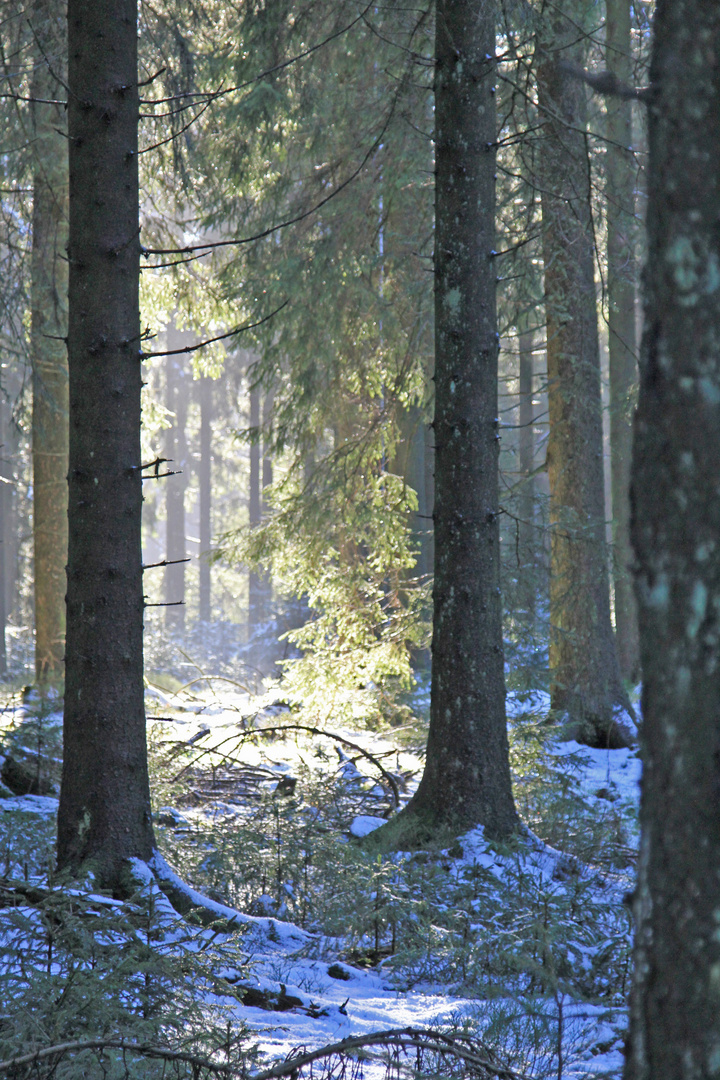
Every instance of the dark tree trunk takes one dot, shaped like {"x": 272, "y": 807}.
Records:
{"x": 621, "y": 329}
{"x": 205, "y": 484}
{"x": 675, "y": 1007}
{"x": 467, "y": 776}
{"x": 49, "y": 352}
{"x": 104, "y": 815}
{"x": 586, "y": 685}
{"x": 176, "y": 443}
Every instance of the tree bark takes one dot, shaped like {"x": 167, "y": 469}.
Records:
{"x": 466, "y": 781}
{"x": 104, "y": 815}
{"x": 586, "y": 685}
{"x": 255, "y": 593}
{"x": 527, "y": 539}
{"x": 621, "y": 329}
{"x": 6, "y": 490}
{"x": 48, "y": 348}
{"x": 177, "y": 452}
{"x": 205, "y": 485}
{"x": 675, "y": 1005}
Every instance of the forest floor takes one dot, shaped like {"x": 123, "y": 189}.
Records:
{"x": 527, "y": 946}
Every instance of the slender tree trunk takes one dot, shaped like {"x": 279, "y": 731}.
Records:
{"x": 48, "y": 348}
{"x": 675, "y": 1004}
{"x": 527, "y": 539}
{"x": 585, "y": 677}
{"x": 621, "y": 327}
{"x": 205, "y": 484}
{"x": 104, "y": 815}
{"x": 255, "y": 595}
{"x": 9, "y": 452}
{"x": 5, "y": 526}
{"x": 176, "y": 543}
{"x": 267, "y": 479}
{"x": 409, "y": 462}
{"x": 467, "y": 776}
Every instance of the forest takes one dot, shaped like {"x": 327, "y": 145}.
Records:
{"x": 360, "y": 539}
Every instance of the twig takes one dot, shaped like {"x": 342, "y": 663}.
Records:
{"x": 209, "y": 341}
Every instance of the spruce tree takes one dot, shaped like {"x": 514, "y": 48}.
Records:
{"x": 586, "y": 685}
{"x": 621, "y": 230}
{"x": 466, "y": 780}
{"x": 104, "y": 814}
{"x": 48, "y": 329}
{"x": 675, "y": 1006}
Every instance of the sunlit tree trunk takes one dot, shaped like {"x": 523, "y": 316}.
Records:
{"x": 255, "y": 593}
{"x": 6, "y": 489}
{"x": 104, "y": 815}
{"x": 675, "y": 1005}
{"x": 586, "y": 685}
{"x": 48, "y": 332}
{"x": 621, "y": 329}
{"x": 177, "y": 452}
{"x": 206, "y": 386}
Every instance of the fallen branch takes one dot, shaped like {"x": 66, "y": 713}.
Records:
{"x": 144, "y": 1049}
{"x": 242, "y": 735}
{"x": 427, "y": 1039}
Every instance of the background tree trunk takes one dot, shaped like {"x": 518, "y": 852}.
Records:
{"x": 104, "y": 814}
{"x": 255, "y": 593}
{"x": 177, "y": 452}
{"x": 675, "y": 1007}
{"x": 48, "y": 348}
{"x": 467, "y": 776}
{"x": 205, "y": 484}
{"x": 621, "y": 328}
{"x": 6, "y": 491}
{"x": 527, "y": 538}
{"x": 585, "y": 677}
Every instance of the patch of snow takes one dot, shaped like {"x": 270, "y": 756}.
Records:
{"x": 364, "y": 824}
{"x": 30, "y": 804}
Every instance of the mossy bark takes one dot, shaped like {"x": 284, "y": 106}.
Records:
{"x": 104, "y": 815}
{"x": 48, "y": 331}
{"x": 675, "y": 1003}
{"x": 586, "y": 685}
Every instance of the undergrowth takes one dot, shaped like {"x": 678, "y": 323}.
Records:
{"x": 523, "y": 921}
{"x": 530, "y": 932}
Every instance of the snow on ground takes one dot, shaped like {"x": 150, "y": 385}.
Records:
{"x": 317, "y": 995}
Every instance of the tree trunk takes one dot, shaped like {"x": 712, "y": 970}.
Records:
{"x": 104, "y": 815}
{"x": 6, "y": 489}
{"x": 466, "y": 780}
{"x": 10, "y": 523}
{"x": 675, "y": 1006}
{"x": 527, "y": 539}
{"x": 255, "y": 594}
{"x": 586, "y": 685}
{"x": 175, "y": 539}
{"x": 205, "y": 485}
{"x": 621, "y": 329}
{"x": 48, "y": 348}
